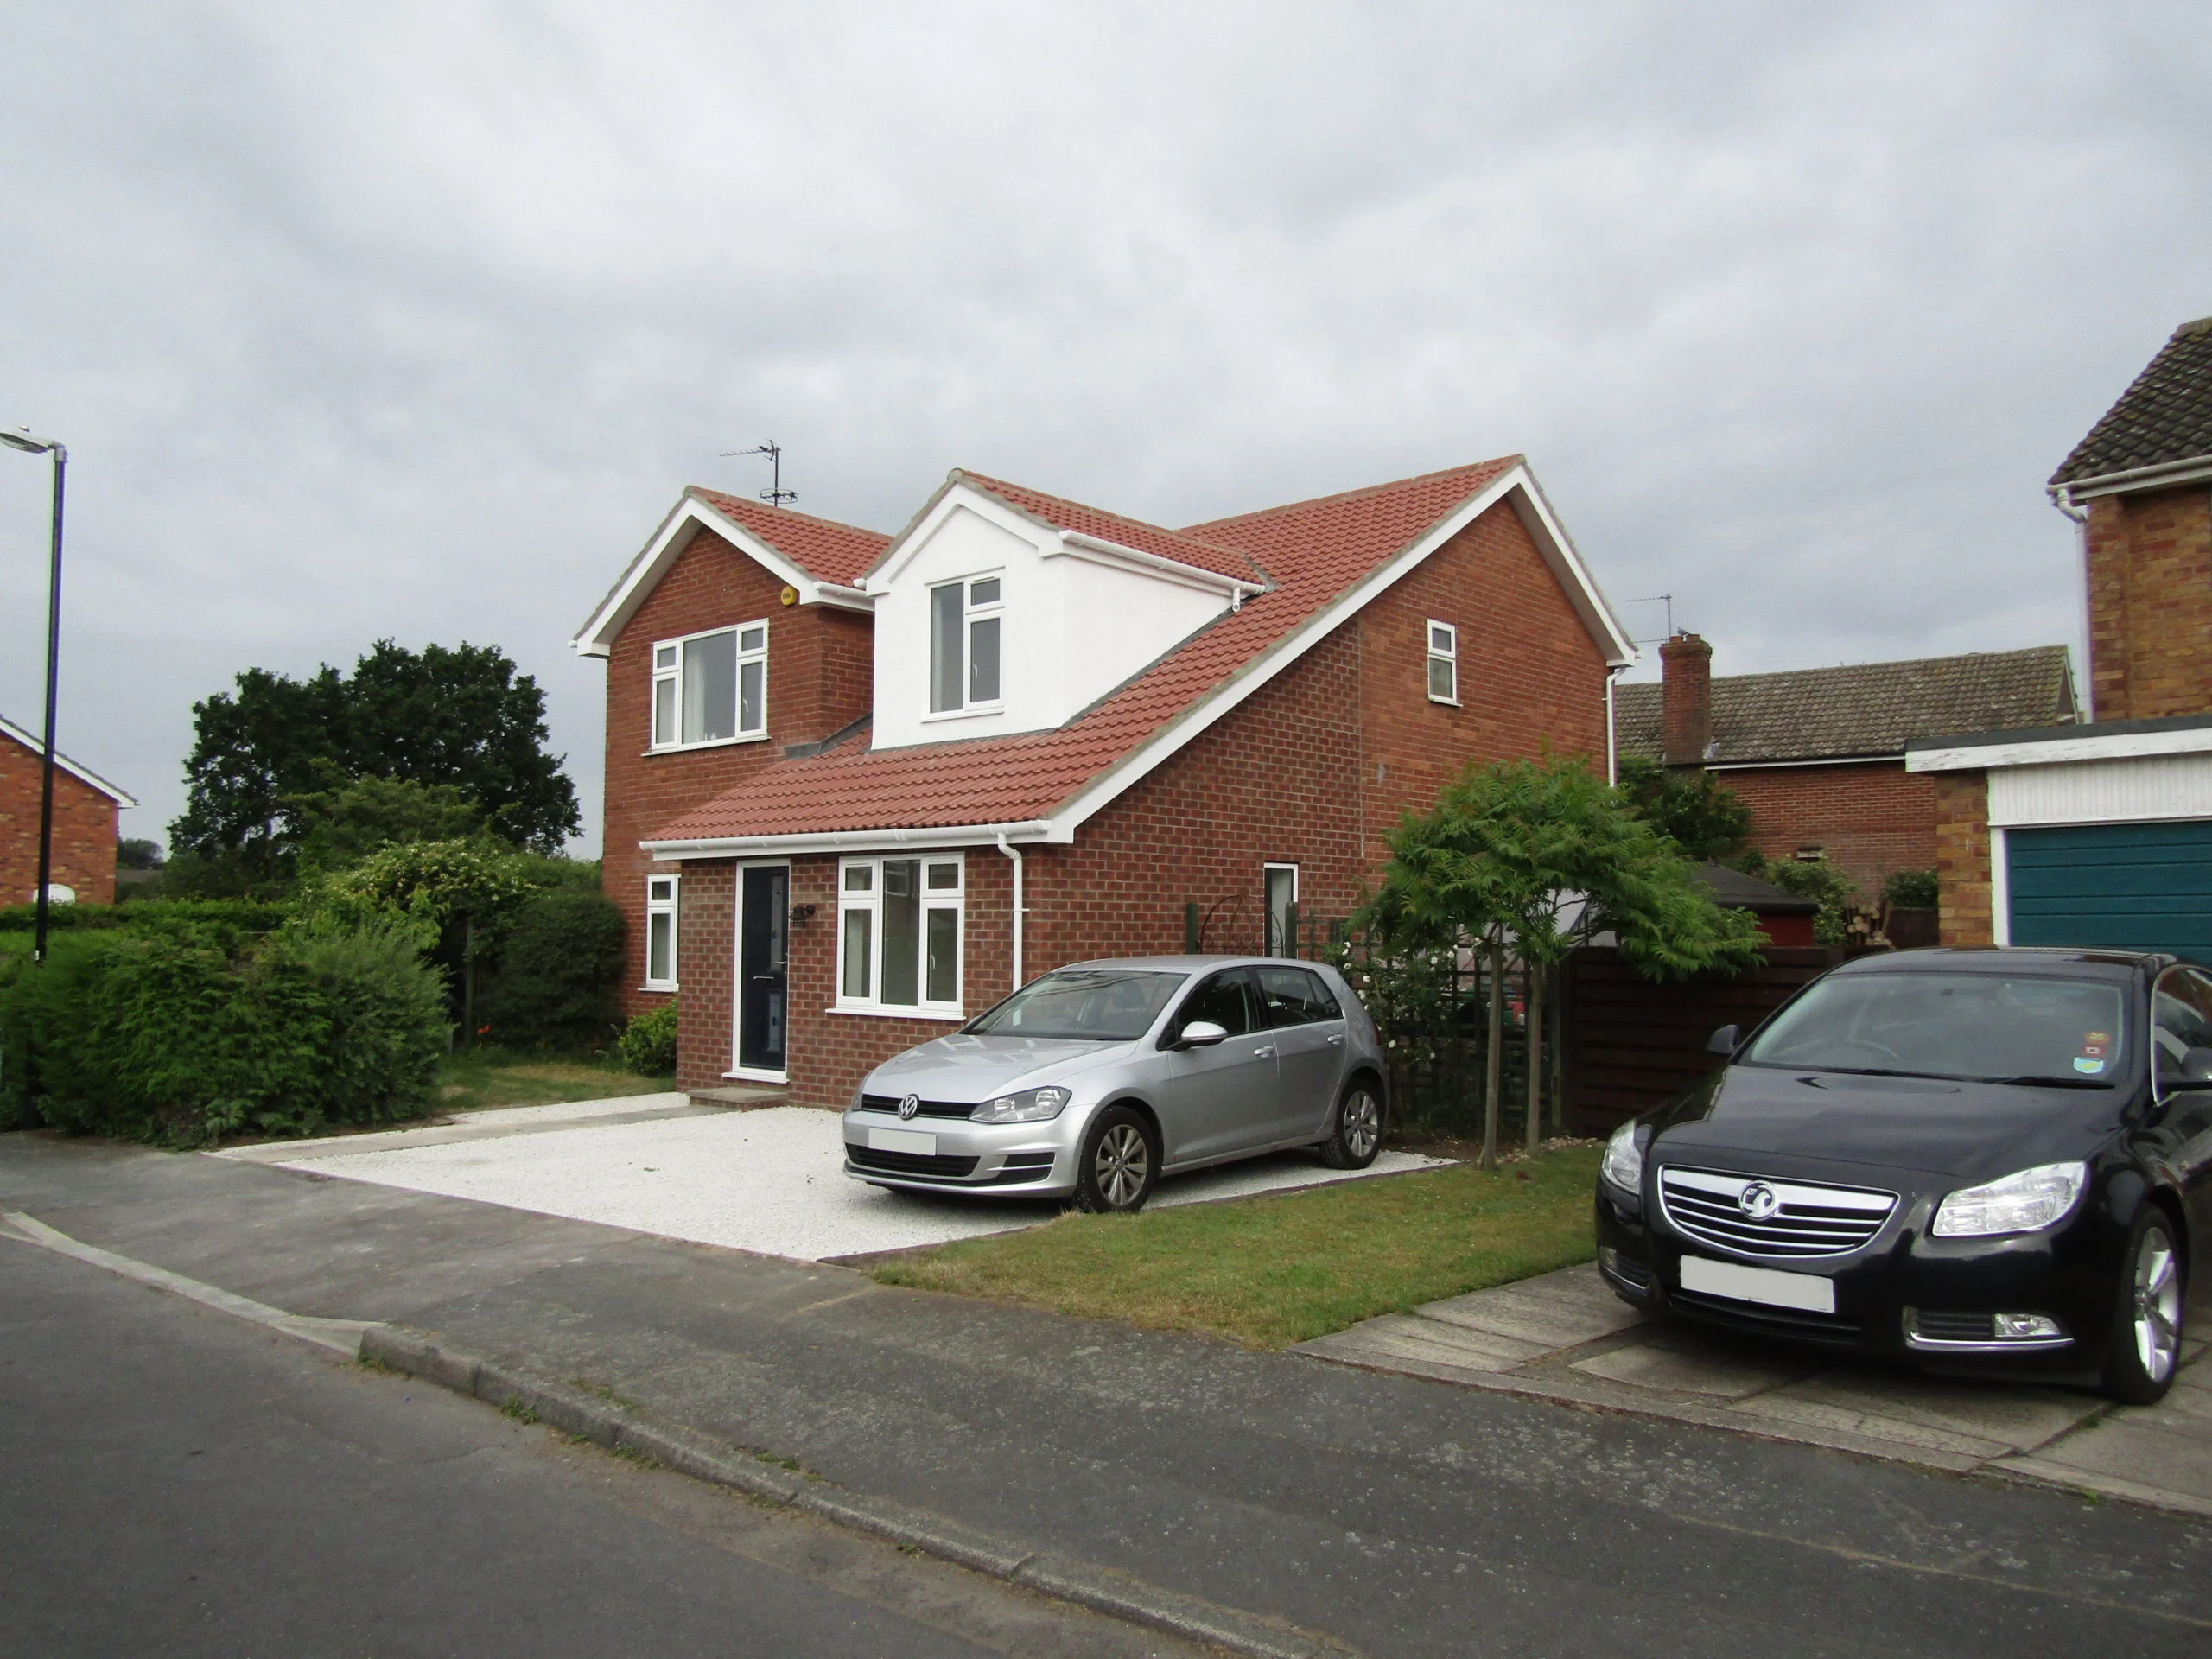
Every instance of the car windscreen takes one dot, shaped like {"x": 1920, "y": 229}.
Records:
{"x": 1099, "y": 1005}
{"x": 1990, "y": 1027}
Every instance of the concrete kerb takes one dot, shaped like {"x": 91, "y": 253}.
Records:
{"x": 609, "y": 1423}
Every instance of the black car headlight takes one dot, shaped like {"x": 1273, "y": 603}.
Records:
{"x": 1024, "y": 1106}
{"x": 2023, "y": 1202}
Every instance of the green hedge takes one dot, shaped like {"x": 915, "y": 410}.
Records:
{"x": 183, "y": 1034}
{"x": 246, "y": 915}
{"x": 558, "y": 954}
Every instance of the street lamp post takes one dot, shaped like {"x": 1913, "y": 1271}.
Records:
{"x": 22, "y": 439}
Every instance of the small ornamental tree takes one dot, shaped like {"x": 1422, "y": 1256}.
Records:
{"x": 1539, "y": 857}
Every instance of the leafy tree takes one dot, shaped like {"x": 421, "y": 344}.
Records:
{"x": 344, "y": 825}
{"x": 131, "y": 855}
{"x": 459, "y": 718}
{"x": 1703, "y": 815}
{"x": 1537, "y": 857}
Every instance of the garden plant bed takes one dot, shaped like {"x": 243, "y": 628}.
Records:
{"x": 1272, "y": 1271}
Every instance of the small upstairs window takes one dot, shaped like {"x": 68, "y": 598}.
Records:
{"x": 964, "y": 623}
{"x": 711, "y": 688}
{"x": 1443, "y": 663}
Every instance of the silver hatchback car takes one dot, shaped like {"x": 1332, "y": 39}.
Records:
{"x": 1098, "y": 1078}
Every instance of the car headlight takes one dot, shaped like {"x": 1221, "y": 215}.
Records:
{"x": 1623, "y": 1165}
{"x": 1027, "y": 1106}
{"x": 2021, "y": 1202}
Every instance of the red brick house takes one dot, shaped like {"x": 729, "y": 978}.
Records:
{"x": 1819, "y": 754}
{"x": 87, "y": 810}
{"x": 860, "y": 786}
{"x": 2101, "y": 833}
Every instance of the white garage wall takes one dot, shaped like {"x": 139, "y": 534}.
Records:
{"x": 2135, "y": 789}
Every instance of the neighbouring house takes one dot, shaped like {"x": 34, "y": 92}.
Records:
{"x": 87, "y": 816}
{"x": 1784, "y": 918}
{"x": 858, "y": 786}
{"x": 2101, "y": 833}
{"x": 1819, "y": 754}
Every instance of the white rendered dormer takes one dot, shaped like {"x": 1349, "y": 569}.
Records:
{"x": 990, "y": 621}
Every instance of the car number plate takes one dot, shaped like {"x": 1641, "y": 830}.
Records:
{"x": 902, "y": 1140}
{"x": 1806, "y": 1291}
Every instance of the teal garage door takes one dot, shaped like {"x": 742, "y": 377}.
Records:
{"x": 2127, "y": 887}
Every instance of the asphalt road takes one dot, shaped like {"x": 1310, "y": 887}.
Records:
{"x": 176, "y": 1482}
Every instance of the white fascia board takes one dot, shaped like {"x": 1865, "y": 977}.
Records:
{"x": 2058, "y": 751}
{"x": 952, "y": 496}
{"x": 83, "y": 775}
{"x": 1582, "y": 590}
{"x": 596, "y": 637}
{"x": 1512, "y": 485}
{"x": 1032, "y": 831}
{"x": 1074, "y": 544}
{"x": 2166, "y": 474}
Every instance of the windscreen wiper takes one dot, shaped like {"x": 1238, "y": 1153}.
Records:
{"x": 2051, "y": 1082}
{"x": 1883, "y": 1071}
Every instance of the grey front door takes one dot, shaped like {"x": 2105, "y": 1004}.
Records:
{"x": 1224, "y": 1099}
{"x": 763, "y": 969}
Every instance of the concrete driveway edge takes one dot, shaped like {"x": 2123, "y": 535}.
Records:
{"x": 612, "y": 1423}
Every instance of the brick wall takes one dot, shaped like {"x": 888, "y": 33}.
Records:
{"x": 820, "y": 668}
{"x": 1310, "y": 770}
{"x": 1869, "y": 820}
{"x": 85, "y": 830}
{"x": 2150, "y": 579}
{"x": 1962, "y": 873}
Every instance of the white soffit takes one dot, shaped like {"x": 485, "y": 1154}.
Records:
{"x": 2060, "y": 751}
{"x": 596, "y": 637}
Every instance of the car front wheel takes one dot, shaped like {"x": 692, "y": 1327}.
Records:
{"x": 2145, "y": 1345}
{"x": 1120, "y": 1162}
{"x": 1357, "y": 1134}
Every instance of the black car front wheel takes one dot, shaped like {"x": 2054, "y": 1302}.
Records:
{"x": 2145, "y": 1347}
{"x": 1356, "y": 1136}
{"x": 1120, "y": 1162}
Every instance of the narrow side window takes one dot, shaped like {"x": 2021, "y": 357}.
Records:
{"x": 660, "y": 933}
{"x": 1443, "y": 663}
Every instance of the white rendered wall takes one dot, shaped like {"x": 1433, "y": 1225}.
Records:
{"x": 1073, "y": 629}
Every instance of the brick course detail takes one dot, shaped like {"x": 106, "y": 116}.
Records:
{"x": 85, "y": 830}
{"x": 2149, "y": 559}
{"x": 1871, "y": 821}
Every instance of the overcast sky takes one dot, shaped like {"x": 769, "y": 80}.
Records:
{"x": 413, "y": 321}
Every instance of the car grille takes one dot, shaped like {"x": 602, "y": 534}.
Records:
{"x": 1808, "y": 1220}
{"x": 908, "y": 1163}
{"x": 1931, "y": 1326}
{"x": 928, "y": 1108}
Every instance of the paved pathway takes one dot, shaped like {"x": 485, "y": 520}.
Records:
{"x": 1566, "y": 1337}
{"x": 769, "y": 1179}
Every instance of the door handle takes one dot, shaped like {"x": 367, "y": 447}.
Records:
{"x": 1258, "y": 1052}
{"x": 1337, "y": 1041}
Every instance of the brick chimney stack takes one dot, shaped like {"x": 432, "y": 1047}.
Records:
{"x": 1686, "y": 682}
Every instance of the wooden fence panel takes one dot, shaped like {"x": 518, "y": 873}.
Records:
{"x": 1629, "y": 1044}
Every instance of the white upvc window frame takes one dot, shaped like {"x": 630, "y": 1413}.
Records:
{"x": 668, "y": 663}
{"x": 663, "y": 896}
{"x": 1442, "y": 643}
{"x": 972, "y": 612}
{"x": 861, "y": 897}
{"x": 1268, "y": 935}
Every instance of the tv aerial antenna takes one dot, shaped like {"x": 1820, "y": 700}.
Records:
{"x": 1668, "y": 600}
{"x": 775, "y": 495}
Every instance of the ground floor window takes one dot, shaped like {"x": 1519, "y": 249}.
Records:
{"x": 1282, "y": 909}
{"x": 899, "y": 928}
{"x": 660, "y": 933}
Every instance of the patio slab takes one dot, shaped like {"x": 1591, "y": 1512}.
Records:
{"x": 1566, "y": 1337}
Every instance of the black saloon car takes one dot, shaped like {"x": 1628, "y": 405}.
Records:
{"x": 1995, "y": 1160}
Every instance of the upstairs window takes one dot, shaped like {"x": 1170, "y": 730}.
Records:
{"x": 1443, "y": 663}
{"x": 660, "y": 933}
{"x": 899, "y": 924}
{"x": 711, "y": 688}
{"x": 964, "y": 620}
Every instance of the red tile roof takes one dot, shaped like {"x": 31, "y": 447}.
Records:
{"x": 826, "y": 550}
{"x": 1314, "y": 550}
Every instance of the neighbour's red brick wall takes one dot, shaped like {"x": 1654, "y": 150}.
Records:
{"x": 85, "y": 830}
{"x": 820, "y": 669}
{"x": 1963, "y": 910}
{"x": 1531, "y": 675}
{"x": 2149, "y": 578}
{"x": 1869, "y": 820}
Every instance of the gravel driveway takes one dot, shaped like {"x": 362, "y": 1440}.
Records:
{"x": 769, "y": 1180}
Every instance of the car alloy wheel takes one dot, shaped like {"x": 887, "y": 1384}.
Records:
{"x": 2144, "y": 1347}
{"x": 1357, "y": 1133}
{"x": 2156, "y": 1305}
{"x": 1119, "y": 1163}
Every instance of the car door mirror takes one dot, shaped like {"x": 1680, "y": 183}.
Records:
{"x": 1723, "y": 1041}
{"x": 1201, "y": 1033}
